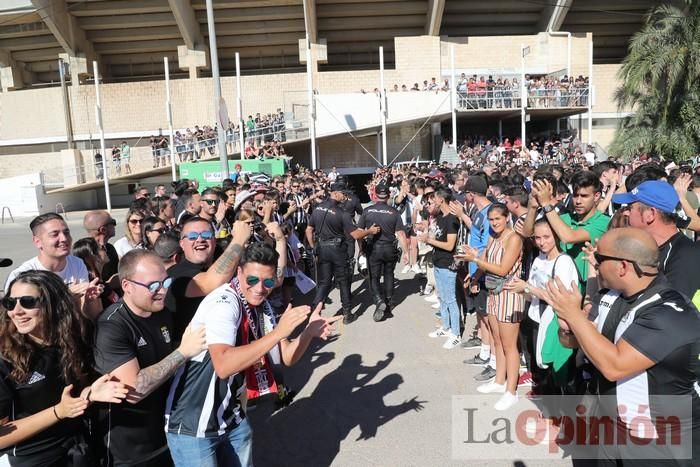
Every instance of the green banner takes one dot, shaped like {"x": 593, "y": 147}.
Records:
{"x": 209, "y": 173}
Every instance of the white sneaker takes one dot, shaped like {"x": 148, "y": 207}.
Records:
{"x": 439, "y": 332}
{"x": 416, "y": 269}
{"x": 406, "y": 269}
{"x": 431, "y": 298}
{"x": 506, "y": 401}
{"x": 429, "y": 289}
{"x": 435, "y": 305}
{"x": 491, "y": 388}
{"x": 451, "y": 342}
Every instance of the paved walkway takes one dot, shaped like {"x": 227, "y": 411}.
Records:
{"x": 378, "y": 394}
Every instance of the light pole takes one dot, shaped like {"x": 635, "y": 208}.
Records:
{"x": 524, "y": 51}
{"x": 220, "y": 130}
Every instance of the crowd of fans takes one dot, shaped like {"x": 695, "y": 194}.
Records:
{"x": 105, "y": 344}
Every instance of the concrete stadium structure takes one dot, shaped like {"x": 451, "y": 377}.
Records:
{"x": 129, "y": 40}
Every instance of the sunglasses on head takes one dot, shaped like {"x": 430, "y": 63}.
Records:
{"x": 193, "y": 236}
{"x": 211, "y": 202}
{"x": 27, "y": 301}
{"x": 135, "y": 221}
{"x": 600, "y": 259}
{"x": 154, "y": 286}
{"x": 267, "y": 283}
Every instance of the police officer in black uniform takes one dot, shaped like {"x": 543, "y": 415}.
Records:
{"x": 332, "y": 227}
{"x": 382, "y": 249}
{"x": 353, "y": 207}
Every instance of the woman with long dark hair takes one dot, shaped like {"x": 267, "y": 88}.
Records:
{"x": 89, "y": 251}
{"x": 45, "y": 372}
{"x": 151, "y": 228}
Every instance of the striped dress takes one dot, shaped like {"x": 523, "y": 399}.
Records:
{"x": 506, "y": 306}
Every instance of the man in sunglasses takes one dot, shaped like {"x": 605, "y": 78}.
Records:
{"x": 652, "y": 207}
{"x": 210, "y": 201}
{"x": 195, "y": 275}
{"x": 206, "y": 423}
{"x": 643, "y": 339}
{"x": 134, "y": 344}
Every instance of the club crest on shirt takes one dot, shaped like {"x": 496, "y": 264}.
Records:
{"x": 36, "y": 377}
{"x": 166, "y": 334}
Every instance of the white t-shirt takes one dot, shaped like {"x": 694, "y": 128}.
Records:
{"x": 74, "y": 272}
{"x": 123, "y": 246}
{"x": 541, "y": 273}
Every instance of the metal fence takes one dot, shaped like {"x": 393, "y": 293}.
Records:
{"x": 509, "y": 98}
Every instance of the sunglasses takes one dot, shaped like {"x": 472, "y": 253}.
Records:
{"x": 193, "y": 236}
{"x": 268, "y": 283}
{"x": 135, "y": 221}
{"x": 295, "y": 186}
{"x": 211, "y": 202}
{"x": 600, "y": 259}
{"x": 160, "y": 231}
{"x": 155, "y": 286}
{"x": 27, "y": 301}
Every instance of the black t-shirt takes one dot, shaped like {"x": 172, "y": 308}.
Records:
{"x": 111, "y": 266}
{"x": 135, "y": 430}
{"x": 330, "y": 221}
{"x": 444, "y": 225}
{"x": 386, "y": 217}
{"x": 678, "y": 257}
{"x": 182, "y": 307}
{"x": 42, "y": 390}
{"x": 352, "y": 205}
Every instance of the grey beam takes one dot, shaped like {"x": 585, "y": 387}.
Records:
{"x": 553, "y": 16}
{"x": 436, "y": 8}
{"x": 310, "y": 20}
{"x": 187, "y": 23}
{"x": 64, "y": 27}
{"x": 120, "y": 7}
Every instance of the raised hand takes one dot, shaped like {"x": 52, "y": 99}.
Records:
{"x": 194, "y": 341}
{"x": 70, "y": 407}
{"x": 318, "y": 325}
{"x": 682, "y": 184}
{"x": 565, "y": 301}
{"x": 94, "y": 289}
{"x": 275, "y": 231}
{"x": 241, "y": 232}
{"x": 106, "y": 390}
{"x": 589, "y": 254}
{"x": 292, "y": 318}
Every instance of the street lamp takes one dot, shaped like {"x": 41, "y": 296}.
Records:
{"x": 524, "y": 51}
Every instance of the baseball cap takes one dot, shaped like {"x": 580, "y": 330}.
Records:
{"x": 655, "y": 193}
{"x": 337, "y": 186}
{"x": 476, "y": 184}
{"x": 5, "y": 262}
{"x": 382, "y": 191}
{"x": 241, "y": 197}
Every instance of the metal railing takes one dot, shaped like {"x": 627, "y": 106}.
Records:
{"x": 538, "y": 98}
{"x": 144, "y": 158}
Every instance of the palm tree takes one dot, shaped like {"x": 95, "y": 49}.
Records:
{"x": 660, "y": 77}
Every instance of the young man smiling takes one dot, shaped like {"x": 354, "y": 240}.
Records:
{"x": 205, "y": 422}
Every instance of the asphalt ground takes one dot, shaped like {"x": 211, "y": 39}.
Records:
{"x": 375, "y": 394}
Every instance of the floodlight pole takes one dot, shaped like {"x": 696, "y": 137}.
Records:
{"x": 98, "y": 115}
{"x": 169, "y": 113}
{"x": 239, "y": 103}
{"x": 312, "y": 103}
{"x": 220, "y": 130}
{"x": 590, "y": 93}
{"x": 523, "y": 96}
{"x": 453, "y": 89}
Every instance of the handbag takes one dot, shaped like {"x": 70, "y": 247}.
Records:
{"x": 494, "y": 283}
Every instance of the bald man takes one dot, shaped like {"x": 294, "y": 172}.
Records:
{"x": 644, "y": 342}
{"x": 100, "y": 225}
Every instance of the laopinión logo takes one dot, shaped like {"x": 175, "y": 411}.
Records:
{"x": 579, "y": 427}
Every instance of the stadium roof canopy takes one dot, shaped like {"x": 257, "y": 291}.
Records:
{"x": 129, "y": 38}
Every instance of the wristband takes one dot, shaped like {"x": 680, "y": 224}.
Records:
{"x": 56, "y": 414}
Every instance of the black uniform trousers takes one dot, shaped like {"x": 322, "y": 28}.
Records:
{"x": 381, "y": 262}
{"x": 332, "y": 264}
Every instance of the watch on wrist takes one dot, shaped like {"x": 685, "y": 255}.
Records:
{"x": 527, "y": 290}
{"x": 548, "y": 208}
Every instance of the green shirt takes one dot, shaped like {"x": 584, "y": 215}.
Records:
{"x": 596, "y": 226}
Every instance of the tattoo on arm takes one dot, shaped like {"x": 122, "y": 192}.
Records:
{"x": 228, "y": 260}
{"x": 150, "y": 378}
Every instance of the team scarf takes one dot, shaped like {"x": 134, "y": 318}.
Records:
{"x": 258, "y": 377}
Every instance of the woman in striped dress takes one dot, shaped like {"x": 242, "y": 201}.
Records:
{"x": 500, "y": 263}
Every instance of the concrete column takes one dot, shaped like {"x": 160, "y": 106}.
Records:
{"x": 77, "y": 65}
{"x": 10, "y": 78}
{"x": 73, "y": 169}
{"x": 192, "y": 59}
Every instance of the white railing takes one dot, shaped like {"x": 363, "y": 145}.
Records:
{"x": 144, "y": 158}
{"x": 509, "y": 98}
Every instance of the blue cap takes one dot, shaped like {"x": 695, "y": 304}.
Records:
{"x": 654, "y": 193}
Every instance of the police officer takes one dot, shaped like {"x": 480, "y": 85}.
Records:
{"x": 333, "y": 227}
{"x": 353, "y": 207}
{"x": 381, "y": 249}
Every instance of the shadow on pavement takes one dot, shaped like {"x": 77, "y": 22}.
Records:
{"x": 309, "y": 432}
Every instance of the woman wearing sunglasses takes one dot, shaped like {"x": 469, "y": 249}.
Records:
{"x": 45, "y": 373}
{"x": 132, "y": 235}
{"x": 151, "y": 228}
